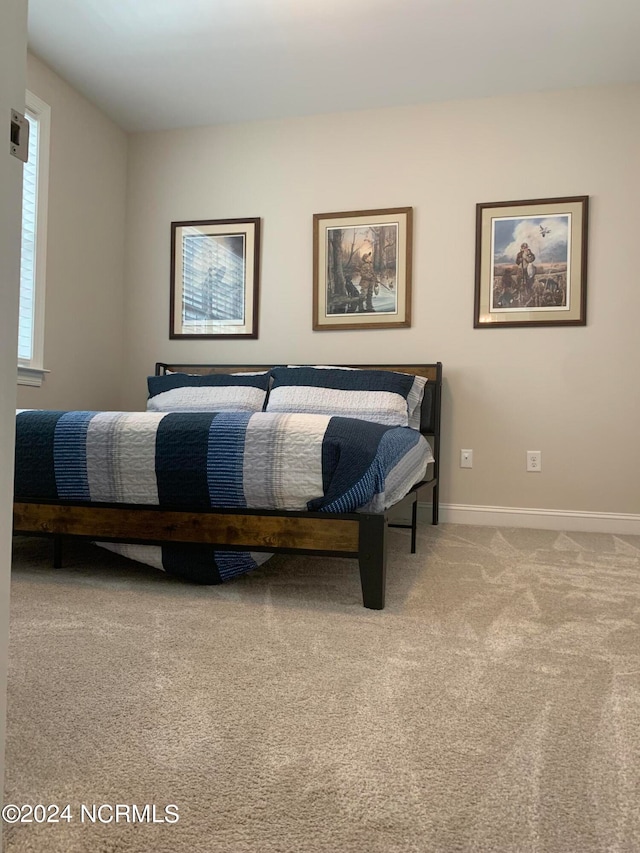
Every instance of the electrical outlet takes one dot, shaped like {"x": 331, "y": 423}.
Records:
{"x": 466, "y": 458}
{"x": 534, "y": 460}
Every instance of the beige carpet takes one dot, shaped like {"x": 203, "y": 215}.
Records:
{"x": 494, "y": 705}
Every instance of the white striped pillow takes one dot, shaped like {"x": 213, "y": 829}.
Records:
{"x": 381, "y": 396}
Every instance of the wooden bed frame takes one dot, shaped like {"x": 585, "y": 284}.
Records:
{"x": 356, "y": 535}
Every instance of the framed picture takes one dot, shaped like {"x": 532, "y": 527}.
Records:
{"x": 531, "y": 263}
{"x": 215, "y": 278}
{"x": 362, "y": 269}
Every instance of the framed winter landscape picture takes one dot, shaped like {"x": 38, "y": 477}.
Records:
{"x": 215, "y": 278}
{"x": 531, "y": 263}
{"x": 362, "y": 269}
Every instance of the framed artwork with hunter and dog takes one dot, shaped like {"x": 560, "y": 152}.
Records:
{"x": 362, "y": 269}
{"x": 531, "y": 263}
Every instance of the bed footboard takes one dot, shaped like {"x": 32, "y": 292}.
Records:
{"x": 355, "y": 535}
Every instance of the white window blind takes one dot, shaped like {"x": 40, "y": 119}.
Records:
{"x": 33, "y": 255}
{"x": 28, "y": 256}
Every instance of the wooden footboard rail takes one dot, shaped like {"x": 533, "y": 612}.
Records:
{"x": 361, "y": 535}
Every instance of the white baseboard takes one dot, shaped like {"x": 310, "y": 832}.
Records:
{"x": 546, "y": 519}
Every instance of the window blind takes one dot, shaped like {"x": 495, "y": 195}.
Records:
{"x": 28, "y": 249}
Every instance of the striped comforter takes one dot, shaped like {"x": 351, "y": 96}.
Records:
{"x": 227, "y": 459}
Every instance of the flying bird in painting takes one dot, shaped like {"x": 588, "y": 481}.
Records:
{"x": 544, "y": 231}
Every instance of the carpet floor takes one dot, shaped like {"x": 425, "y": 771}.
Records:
{"x": 494, "y": 705}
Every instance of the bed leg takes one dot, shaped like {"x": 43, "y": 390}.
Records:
{"x": 57, "y": 551}
{"x": 434, "y": 505}
{"x": 372, "y": 559}
{"x": 414, "y": 523}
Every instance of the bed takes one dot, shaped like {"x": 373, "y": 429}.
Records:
{"x": 181, "y": 519}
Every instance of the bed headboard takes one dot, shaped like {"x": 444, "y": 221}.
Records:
{"x": 430, "y": 412}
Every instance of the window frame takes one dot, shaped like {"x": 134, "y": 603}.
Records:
{"x": 31, "y": 371}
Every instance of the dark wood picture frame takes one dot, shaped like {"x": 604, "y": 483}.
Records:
{"x": 362, "y": 269}
{"x": 531, "y": 263}
{"x": 215, "y": 278}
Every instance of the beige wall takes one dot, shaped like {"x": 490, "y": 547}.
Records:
{"x": 85, "y": 251}
{"x": 13, "y": 48}
{"x": 571, "y": 393}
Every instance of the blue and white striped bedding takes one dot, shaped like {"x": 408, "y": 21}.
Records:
{"x": 202, "y": 460}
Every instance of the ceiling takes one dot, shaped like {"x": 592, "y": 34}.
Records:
{"x": 156, "y": 64}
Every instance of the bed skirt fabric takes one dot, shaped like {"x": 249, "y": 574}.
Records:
{"x": 199, "y": 461}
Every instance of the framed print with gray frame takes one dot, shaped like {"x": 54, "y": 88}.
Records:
{"x": 362, "y": 269}
{"x": 531, "y": 263}
{"x": 215, "y": 267}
